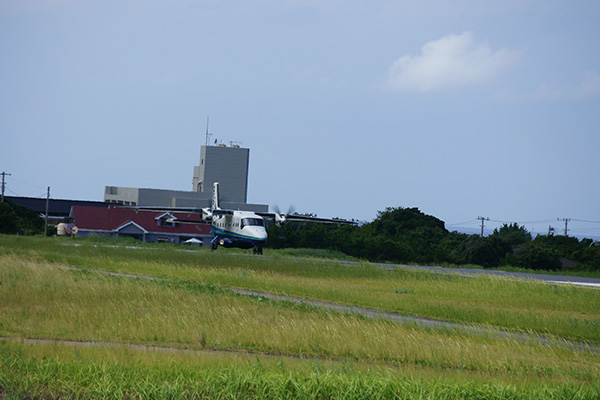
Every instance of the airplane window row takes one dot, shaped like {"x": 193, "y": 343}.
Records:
{"x": 245, "y": 222}
{"x": 252, "y": 222}
{"x": 227, "y": 225}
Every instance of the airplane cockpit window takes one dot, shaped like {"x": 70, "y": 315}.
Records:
{"x": 252, "y": 222}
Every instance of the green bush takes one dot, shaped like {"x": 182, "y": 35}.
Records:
{"x": 18, "y": 219}
{"x": 538, "y": 257}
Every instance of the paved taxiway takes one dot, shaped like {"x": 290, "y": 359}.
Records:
{"x": 575, "y": 280}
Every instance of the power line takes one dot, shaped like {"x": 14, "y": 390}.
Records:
{"x": 26, "y": 183}
{"x": 527, "y": 223}
{"x": 461, "y": 223}
{"x": 539, "y": 221}
{"x": 584, "y": 220}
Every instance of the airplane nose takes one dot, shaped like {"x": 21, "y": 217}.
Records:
{"x": 262, "y": 234}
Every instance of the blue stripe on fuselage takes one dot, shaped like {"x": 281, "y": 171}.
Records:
{"x": 236, "y": 236}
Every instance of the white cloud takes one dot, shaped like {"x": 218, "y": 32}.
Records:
{"x": 589, "y": 87}
{"x": 454, "y": 61}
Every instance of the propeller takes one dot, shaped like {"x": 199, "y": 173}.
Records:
{"x": 280, "y": 217}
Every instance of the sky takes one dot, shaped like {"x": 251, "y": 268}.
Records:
{"x": 463, "y": 108}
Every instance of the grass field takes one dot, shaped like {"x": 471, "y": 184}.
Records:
{"x": 187, "y": 336}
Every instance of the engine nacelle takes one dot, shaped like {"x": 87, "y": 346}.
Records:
{"x": 280, "y": 219}
{"x": 207, "y": 215}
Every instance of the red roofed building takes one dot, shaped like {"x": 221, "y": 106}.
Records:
{"x": 145, "y": 225}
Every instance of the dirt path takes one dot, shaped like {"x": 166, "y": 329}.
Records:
{"x": 145, "y": 347}
{"x": 429, "y": 323}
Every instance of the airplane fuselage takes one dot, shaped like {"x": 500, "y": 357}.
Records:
{"x": 243, "y": 229}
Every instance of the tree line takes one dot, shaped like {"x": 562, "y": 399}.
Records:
{"x": 406, "y": 235}
{"x": 400, "y": 235}
{"x": 16, "y": 219}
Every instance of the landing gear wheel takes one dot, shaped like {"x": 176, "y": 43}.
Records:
{"x": 214, "y": 246}
{"x": 257, "y": 250}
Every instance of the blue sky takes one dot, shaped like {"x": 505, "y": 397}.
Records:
{"x": 462, "y": 108}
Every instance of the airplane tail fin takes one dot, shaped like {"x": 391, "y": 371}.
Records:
{"x": 215, "y": 196}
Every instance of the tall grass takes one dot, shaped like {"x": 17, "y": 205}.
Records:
{"x": 53, "y": 303}
{"x": 28, "y": 371}
{"x": 273, "y": 349}
{"x": 570, "y": 312}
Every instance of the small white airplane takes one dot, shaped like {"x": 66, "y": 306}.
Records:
{"x": 234, "y": 228}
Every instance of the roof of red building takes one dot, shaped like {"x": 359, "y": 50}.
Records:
{"x": 113, "y": 217}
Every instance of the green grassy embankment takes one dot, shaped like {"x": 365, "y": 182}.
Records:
{"x": 295, "y": 350}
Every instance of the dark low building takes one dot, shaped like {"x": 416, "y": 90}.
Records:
{"x": 58, "y": 209}
{"x": 144, "y": 225}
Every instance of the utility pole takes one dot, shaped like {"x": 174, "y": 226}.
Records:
{"x": 46, "y": 218}
{"x": 566, "y": 223}
{"x": 3, "y": 175}
{"x": 482, "y": 222}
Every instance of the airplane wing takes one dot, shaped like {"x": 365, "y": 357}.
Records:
{"x": 205, "y": 213}
{"x": 177, "y": 220}
{"x": 220, "y": 211}
{"x": 279, "y": 218}
{"x": 189, "y": 210}
{"x": 303, "y": 218}
{"x": 172, "y": 210}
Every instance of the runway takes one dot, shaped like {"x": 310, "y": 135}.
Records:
{"x": 549, "y": 278}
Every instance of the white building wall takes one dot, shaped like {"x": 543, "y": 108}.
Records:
{"x": 121, "y": 195}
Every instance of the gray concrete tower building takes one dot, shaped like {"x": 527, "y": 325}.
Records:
{"x": 226, "y": 165}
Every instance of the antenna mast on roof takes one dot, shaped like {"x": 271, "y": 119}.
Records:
{"x": 208, "y": 135}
